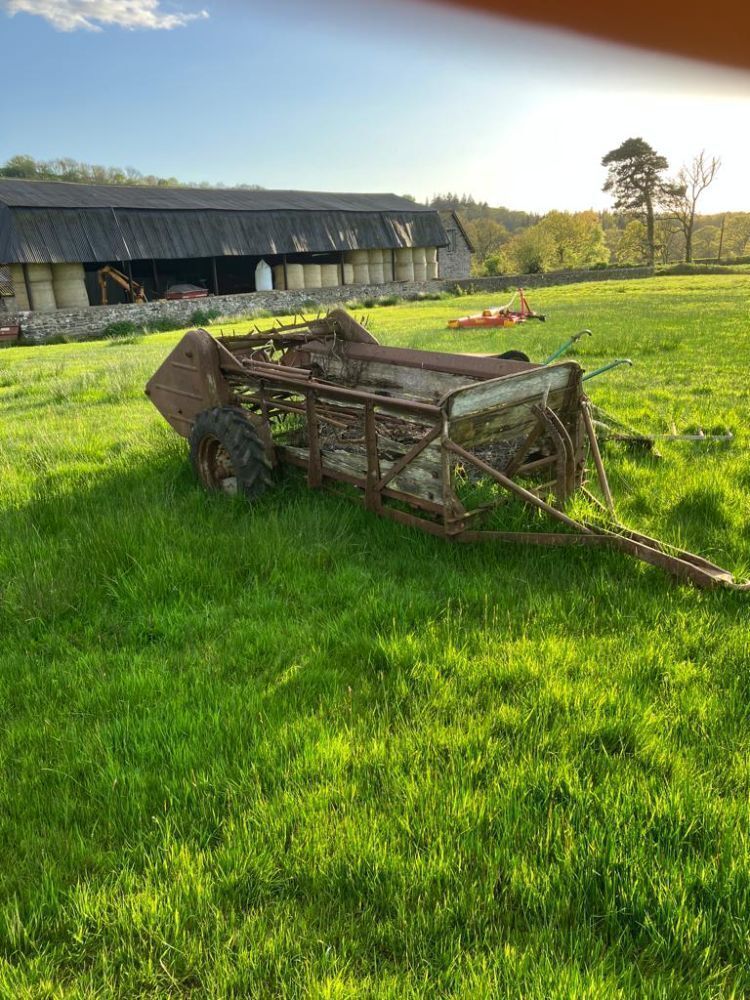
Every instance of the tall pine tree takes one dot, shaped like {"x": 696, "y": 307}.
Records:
{"x": 635, "y": 178}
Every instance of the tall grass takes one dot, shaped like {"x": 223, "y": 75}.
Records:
{"x": 295, "y": 750}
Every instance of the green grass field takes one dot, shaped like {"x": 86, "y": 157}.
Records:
{"x": 295, "y": 750}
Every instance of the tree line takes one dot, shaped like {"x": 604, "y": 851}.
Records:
{"x": 655, "y": 219}
{"x": 25, "y": 167}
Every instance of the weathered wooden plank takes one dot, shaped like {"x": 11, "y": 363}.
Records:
{"x": 398, "y": 380}
{"x": 475, "y": 366}
{"x": 416, "y": 481}
{"x": 510, "y": 389}
{"x": 500, "y": 423}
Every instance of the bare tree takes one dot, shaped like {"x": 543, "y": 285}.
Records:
{"x": 681, "y": 203}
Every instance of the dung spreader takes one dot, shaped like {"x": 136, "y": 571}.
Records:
{"x": 432, "y": 440}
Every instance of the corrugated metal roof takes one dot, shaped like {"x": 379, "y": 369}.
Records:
{"x": 90, "y": 232}
{"x": 54, "y": 194}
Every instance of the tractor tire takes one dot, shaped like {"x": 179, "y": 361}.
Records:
{"x": 228, "y": 453}
{"x": 514, "y": 356}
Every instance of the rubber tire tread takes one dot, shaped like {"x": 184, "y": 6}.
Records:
{"x": 241, "y": 440}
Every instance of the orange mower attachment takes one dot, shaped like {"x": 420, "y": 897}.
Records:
{"x": 502, "y": 316}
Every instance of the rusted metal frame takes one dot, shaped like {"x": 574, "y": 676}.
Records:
{"x": 413, "y": 521}
{"x": 373, "y": 496}
{"x": 524, "y": 494}
{"x": 700, "y": 573}
{"x": 565, "y": 455}
{"x": 539, "y": 463}
{"x": 409, "y": 456}
{"x": 570, "y": 484}
{"x": 569, "y": 415}
{"x": 528, "y": 443}
{"x": 619, "y": 531}
{"x": 545, "y": 488}
{"x": 478, "y": 368}
{"x": 454, "y": 510}
{"x": 459, "y": 522}
{"x": 314, "y": 463}
{"x": 562, "y": 455}
{"x": 270, "y": 406}
{"x": 421, "y": 503}
{"x": 253, "y": 366}
{"x": 177, "y": 392}
{"x": 336, "y": 392}
{"x": 685, "y": 565}
{"x": 321, "y": 414}
{"x": 596, "y": 454}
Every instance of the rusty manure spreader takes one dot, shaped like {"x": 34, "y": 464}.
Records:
{"x": 418, "y": 432}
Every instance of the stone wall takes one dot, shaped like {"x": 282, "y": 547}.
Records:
{"x": 38, "y": 328}
{"x": 454, "y": 260}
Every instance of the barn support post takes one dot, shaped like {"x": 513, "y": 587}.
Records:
{"x": 26, "y": 282}
{"x": 215, "y": 274}
{"x": 156, "y": 278}
{"x": 343, "y": 273}
{"x": 286, "y": 277}
{"x": 130, "y": 279}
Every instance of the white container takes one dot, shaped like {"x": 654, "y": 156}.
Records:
{"x": 312, "y": 275}
{"x": 347, "y": 273}
{"x": 19, "y": 287}
{"x": 430, "y": 255}
{"x": 329, "y": 275}
{"x": 263, "y": 277}
{"x": 377, "y": 275}
{"x": 40, "y": 286}
{"x": 295, "y": 277}
{"x": 404, "y": 264}
{"x": 432, "y": 269}
{"x": 278, "y": 277}
{"x": 69, "y": 286}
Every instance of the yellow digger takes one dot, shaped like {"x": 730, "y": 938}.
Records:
{"x": 134, "y": 290}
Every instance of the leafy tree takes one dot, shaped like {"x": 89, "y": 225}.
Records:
{"x": 682, "y": 201}
{"x": 486, "y": 236}
{"x": 531, "y": 251}
{"x": 632, "y": 244}
{"x": 706, "y": 241}
{"x": 635, "y": 178}
{"x": 668, "y": 239}
{"x": 579, "y": 238}
{"x": 736, "y": 234}
{"x": 24, "y": 167}
{"x": 470, "y": 209}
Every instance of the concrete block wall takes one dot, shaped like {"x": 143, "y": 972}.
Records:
{"x": 39, "y": 328}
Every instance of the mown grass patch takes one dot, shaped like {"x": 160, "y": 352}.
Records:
{"x": 296, "y": 750}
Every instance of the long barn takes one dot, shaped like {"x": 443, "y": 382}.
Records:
{"x": 72, "y": 245}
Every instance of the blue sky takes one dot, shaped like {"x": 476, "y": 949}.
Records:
{"x": 395, "y": 96}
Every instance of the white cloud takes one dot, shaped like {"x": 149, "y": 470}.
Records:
{"x": 92, "y": 15}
